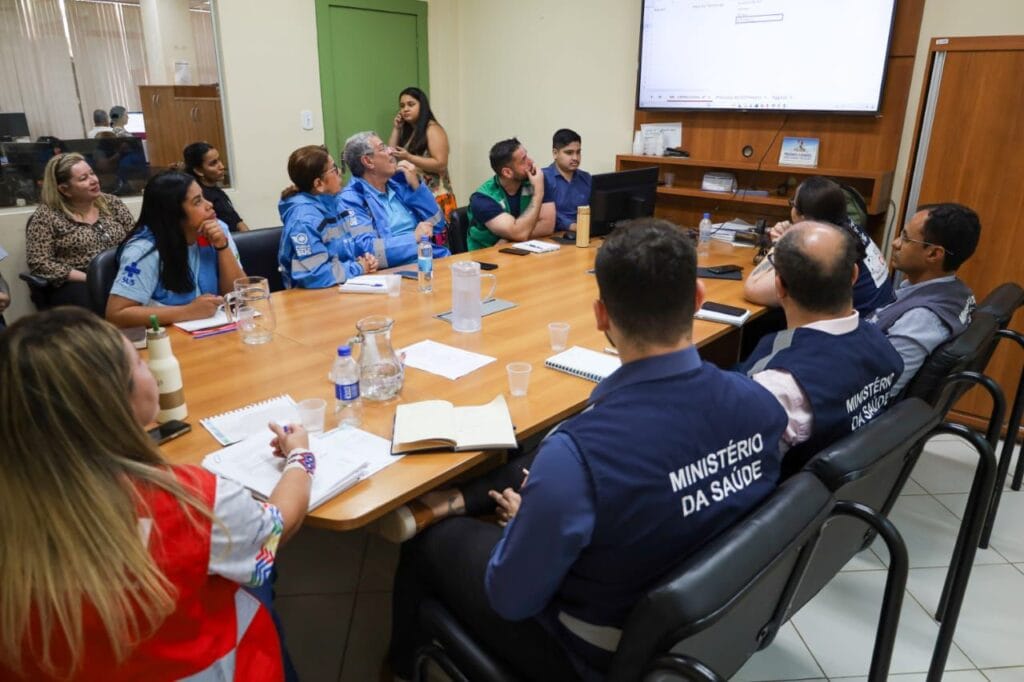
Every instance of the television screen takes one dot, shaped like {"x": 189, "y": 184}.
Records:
{"x": 13, "y": 125}
{"x": 788, "y": 55}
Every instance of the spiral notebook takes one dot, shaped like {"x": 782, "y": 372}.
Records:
{"x": 584, "y": 363}
{"x": 231, "y": 427}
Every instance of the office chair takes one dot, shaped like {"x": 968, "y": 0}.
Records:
{"x": 99, "y": 280}
{"x": 717, "y": 608}
{"x": 458, "y": 229}
{"x": 257, "y": 251}
{"x": 870, "y": 467}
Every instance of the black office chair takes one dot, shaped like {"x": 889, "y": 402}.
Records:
{"x": 870, "y": 467}
{"x": 709, "y": 615}
{"x": 1001, "y": 304}
{"x": 458, "y": 230}
{"x": 257, "y": 250}
{"x": 99, "y": 280}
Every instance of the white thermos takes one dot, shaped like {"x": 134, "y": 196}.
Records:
{"x": 167, "y": 371}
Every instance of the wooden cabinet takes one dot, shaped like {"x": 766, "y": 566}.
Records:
{"x": 178, "y": 115}
{"x": 684, "y": 201}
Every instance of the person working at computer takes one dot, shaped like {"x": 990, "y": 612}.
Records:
{"x": 564, "y": 182}
{"x": 511, "y": 205}
{"x": 101, "y": 124}
{"x": 119, "y": 120}
{"x": 830, "y": 369}
{"x": 73, "y": 223}
{"x": 819, "y": 198}
{"x": 392, "y": 210}
{"x": 202, "y": 161}
{"x": 669, "y": 452}
{"x": 314, "y": 251}
{"x": 932, "y": 303}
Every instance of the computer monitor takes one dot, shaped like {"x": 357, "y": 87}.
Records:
{"x": 136, "y": 122}
{"x": 617, "y": 197}
{"x": 13, "y": 125}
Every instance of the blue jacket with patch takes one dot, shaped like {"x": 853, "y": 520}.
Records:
{"x": 316, "y": 251}
{"x": 372, "y": 229}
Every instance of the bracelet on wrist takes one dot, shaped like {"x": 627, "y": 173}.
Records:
{"x": 301, "y": 459}
{"x": 221, "y": 248}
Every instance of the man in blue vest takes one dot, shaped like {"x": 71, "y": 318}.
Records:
{"x": 669, "y": 452}
{"x": 564, "y": 182}
{"x": 832, "y": 371}
{"x": 512, "y": 204}
{"x": 393, "y": 210}
{"x": 932, "y": 304}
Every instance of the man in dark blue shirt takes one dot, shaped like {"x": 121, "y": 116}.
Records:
{"x": 669, "y": 452}
{"x": 564, "y": 182}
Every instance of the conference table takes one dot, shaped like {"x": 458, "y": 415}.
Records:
{"x": 220, "y": 373}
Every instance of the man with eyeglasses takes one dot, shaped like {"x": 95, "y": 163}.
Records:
{"x": 831, "y": 370}
{"x": 388, "y": 202}
{"x": 932, "y": 303}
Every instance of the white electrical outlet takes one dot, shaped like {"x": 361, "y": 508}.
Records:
{"x": 307, "y": 119}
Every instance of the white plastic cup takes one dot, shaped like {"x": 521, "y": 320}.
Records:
{"x": 669, "y": 178}
{"x": 311, "y": 414}
{"x": 559, "y": 335}
{"x": 518, "y": 378}
{"x": 394, "y": 284}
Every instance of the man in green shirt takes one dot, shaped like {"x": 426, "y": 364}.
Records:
{"x": 511, "y": 205}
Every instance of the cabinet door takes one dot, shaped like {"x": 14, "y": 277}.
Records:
{"x": 200, "y": 120}
{"x": 159, "y": 110}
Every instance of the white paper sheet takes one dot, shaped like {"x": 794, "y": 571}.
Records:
{"x": 444, "y": 360}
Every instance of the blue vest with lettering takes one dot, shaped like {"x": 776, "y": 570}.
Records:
{"x": 674, "y": 460}
{"x": 951, "y": 301}
{"x": 846, "y": 378}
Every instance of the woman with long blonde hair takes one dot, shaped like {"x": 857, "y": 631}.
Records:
{"x": 115, "y": 564}
{"x": 73, "y": 223}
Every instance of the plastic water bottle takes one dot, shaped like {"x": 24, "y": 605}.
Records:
{"x": 704, "y": 243}
{"x": 425, "y": 264}
{"x": 345, "y": 374}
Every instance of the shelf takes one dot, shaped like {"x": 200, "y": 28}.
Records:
{"x": 734, "y": 197}
{"x": 751, "y": 166}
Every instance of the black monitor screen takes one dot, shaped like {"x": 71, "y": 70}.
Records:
{"x": 13, "y": 125}
{"x": 625, "y": 195}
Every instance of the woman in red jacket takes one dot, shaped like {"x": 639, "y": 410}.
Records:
{"x": 117, "y": 565}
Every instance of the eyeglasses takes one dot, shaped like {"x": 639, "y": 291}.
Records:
{"x": 904, "y": 238}
{"x": 333, "y": 169}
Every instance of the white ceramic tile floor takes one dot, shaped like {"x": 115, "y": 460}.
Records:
{"x": 339, "y": 631}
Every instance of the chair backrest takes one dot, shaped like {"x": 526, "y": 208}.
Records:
{"x": 869, "y": 466}
{"x": 725, "y": 601}
{"x": 458, "y": 229}
{"x": 970, "y": 351}
{"x": 99, "y": 279}
{"x": 257, "y": 249}
{"x": 1003, "y": 302}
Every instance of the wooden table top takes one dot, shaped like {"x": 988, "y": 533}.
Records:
{"x": 221, "y": 374}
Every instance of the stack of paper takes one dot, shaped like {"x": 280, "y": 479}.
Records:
{"x": 365, "y": 284}
{"x": 537, "y": 246}
{"x": 726, "y": 231}
{"x": 344, "y": 457}
{"x": 208, "y": 326}
{"x": 444, "y": 360}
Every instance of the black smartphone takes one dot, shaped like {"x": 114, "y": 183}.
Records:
{"x": 724, "y": 269}
{"x": 724, "y": 309}
{"x": 409, "y": 274}
{"x": 515, "y": 251}
{"x": 487, "y": 266}
{"x": 565, "y": 237}
{"x": 169, "y": 431}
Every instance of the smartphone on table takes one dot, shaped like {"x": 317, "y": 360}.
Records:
{"x": 168, "y": 431}
{"x": 724, "y": 269}
{"x": 515, "y": 251}
{"x": 723, "y": 309}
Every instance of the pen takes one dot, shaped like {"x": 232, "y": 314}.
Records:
{"x": 364, "y": 284}
{"x": 610, "y": 351}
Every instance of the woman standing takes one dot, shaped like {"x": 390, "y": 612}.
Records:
{"x": 202, "y": 161}
{"x": 73, "y": 223}
{"x": 419, "y": 139}
{"x": 118, "y": 565}
{"x": 178, "y": 262}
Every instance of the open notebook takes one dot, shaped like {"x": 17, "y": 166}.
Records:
{"x": 585, "y": 363}
{"x": 231, "y": 427}
{"x": 344, "y": 457}
{"x": 439, "y": 425}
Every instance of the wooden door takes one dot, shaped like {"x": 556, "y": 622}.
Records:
{"x": 971, "y": 153}
{"x": 369, "y": 51}
{"x": 159, "y": 111}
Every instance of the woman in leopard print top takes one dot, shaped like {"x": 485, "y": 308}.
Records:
{"x": 73, "y": 223}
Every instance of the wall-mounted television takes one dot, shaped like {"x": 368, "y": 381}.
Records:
{"x": 764, "y": 55}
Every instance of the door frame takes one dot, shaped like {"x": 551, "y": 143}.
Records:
{"x": 333, "y": 138}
